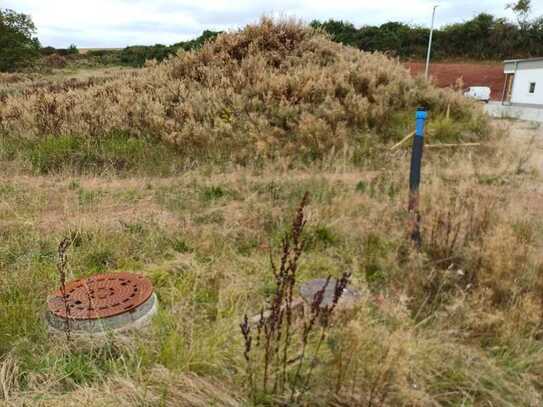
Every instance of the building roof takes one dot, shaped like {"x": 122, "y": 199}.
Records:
{"x": 507, "y": 61}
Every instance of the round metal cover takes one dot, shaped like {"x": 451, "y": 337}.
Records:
{"x": 310, "y": 288}
{"x": 101, "y": 296}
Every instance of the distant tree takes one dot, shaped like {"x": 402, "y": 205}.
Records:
{"x": 208, "y": 35}
{"x": 47, "y": 50}
{"x": 469, "y": 38}
{"x": 483, "y": 37}
{"x": 394, "y": 36}
{"x": 520, "y": 6}
{"x": 522, "y": 9}
{"x": 72, "y": 50}
{"x": 18, "y": 46}
{"x": 534, "y": 37}
{"x": 196, "y": 43}
{"x": 136, "y": 55}
{"x": 340, "y": 31}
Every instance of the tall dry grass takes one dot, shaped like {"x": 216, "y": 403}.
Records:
{"x": 458, "y": 322}
{"x": 276, "y": 87}
{"x": 453, "y": 324}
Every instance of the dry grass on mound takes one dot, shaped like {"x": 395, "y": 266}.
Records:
{"x": 272, "y": 88}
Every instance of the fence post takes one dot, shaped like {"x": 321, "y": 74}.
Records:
{"x": 414, "y": 177}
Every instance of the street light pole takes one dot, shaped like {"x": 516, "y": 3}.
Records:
{"x": 430, "y": 43}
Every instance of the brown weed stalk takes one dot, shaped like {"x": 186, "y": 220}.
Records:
{"x": 247, "y": 338}
{"x": 324, "y": 313}
{"x": 281, "y": 308}
{"x": 276, "y": 329}
{"x": 62, "y": 264}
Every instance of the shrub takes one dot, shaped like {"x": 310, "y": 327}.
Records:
{"x": 55, "y": 61}
{"x": 72, "y": 50}
{"x": 47, "y": 50}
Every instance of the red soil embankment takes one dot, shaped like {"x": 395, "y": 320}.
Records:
{"x": 472, "y": 74}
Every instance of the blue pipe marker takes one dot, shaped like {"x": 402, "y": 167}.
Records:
{"x": 414, "y": 177}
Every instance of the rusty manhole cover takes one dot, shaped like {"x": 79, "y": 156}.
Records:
{"x": 101, "y": 296}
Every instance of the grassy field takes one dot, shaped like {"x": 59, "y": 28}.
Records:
{"x": 456, "y": 323}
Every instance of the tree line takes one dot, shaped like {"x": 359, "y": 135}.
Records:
{"x": 136, "y": 55}
{"x": 483, "y": 37}
{"x": 20, "y": 48}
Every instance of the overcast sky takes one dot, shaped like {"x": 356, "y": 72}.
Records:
{"x": 117, "y": 23}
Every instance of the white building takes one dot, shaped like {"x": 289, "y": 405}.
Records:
{"x": 522, "y": 96}
{"x": 523, "y": 82}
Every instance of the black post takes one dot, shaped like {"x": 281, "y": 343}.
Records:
{"x": 414, "y": 177}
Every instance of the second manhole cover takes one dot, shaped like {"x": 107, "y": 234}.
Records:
{"x": 310, "y": 288}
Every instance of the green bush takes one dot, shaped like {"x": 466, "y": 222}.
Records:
{"x": 18, "y": 47}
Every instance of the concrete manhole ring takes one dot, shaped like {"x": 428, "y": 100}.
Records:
{"x": 309, "y": 289}
{"x": 103, "y": 302}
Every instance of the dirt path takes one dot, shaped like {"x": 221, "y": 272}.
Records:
{"x": 471, "y": 74}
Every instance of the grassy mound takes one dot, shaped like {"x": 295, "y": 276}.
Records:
{"x": 276, "y": 88}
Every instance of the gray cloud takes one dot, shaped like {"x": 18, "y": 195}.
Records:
{"x": 116, "y": 23}
{"x": 150, "y": 27}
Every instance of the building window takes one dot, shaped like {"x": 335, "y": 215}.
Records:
{"x": 532, "y": 87}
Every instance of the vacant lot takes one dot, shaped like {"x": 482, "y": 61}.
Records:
{"x": 458, "y": 322}
{"x": 471, "y": 74}
{"x": 190, "y": 174}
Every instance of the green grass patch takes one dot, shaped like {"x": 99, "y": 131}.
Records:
{"x": 117, "y": 153}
